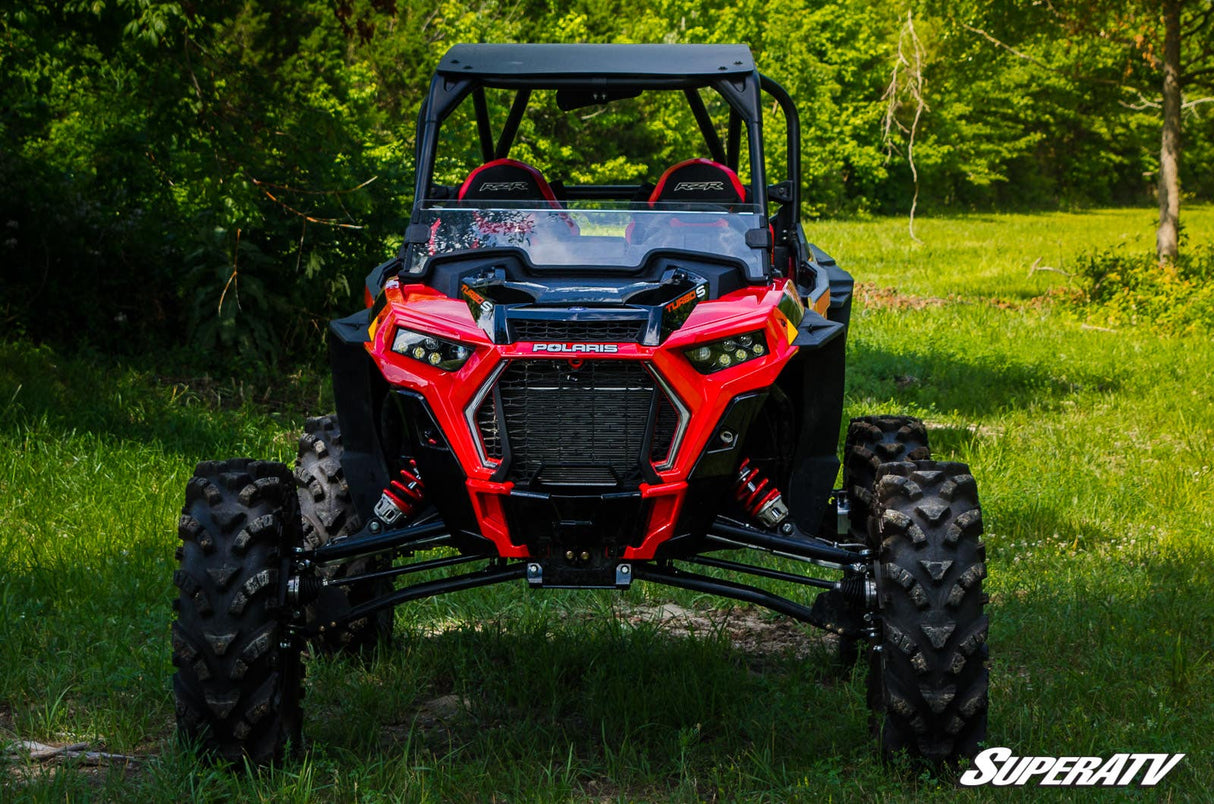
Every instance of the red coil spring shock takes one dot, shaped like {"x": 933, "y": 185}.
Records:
{"x": 759, "y": 497}
{"x": 402, "y": 497}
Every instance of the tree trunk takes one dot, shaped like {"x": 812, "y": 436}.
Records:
{"x": 1167, "y": 242}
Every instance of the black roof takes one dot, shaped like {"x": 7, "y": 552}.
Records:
{"x": 573, "y": 61}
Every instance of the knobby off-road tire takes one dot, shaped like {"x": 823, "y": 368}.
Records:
{"x": 239, "y": 675}
{"x": 872, "y": 441}
{"x": 328, "y": 513}
{"x": 928, "y": 682}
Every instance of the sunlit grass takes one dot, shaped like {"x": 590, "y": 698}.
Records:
{"x": 991, "y": 255}
{"x": 1093, "y": 452}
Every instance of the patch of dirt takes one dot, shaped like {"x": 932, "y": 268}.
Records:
{"x": 23, "y": 761}
{"x": 869, "y": 295}
{"x": 750, "y": 631}
{"x": 604, "y": 790}
{"x": 443, "y": 712}
{"x": 1055, "y": 294}
{"x": 980, "y": 430}
{"x": 878, "y": 298}
{"x": 440, "y": 627}
{"x": 438, "y": 721}
{"x": 24, "y": 772}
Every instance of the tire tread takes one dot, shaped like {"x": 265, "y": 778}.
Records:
{"x": 929, "y": 684}
{"x": 229, "y": 644}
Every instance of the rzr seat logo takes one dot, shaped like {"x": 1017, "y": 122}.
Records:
{"x": 580, "y": 348}
{"x": 693, "y": 186}
{"x": 502, "y": 186}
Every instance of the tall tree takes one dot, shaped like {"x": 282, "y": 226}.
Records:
{"x": 1160, "y": 48}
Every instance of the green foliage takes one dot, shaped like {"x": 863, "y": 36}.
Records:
{"x": 187, "y": 175}
{"x": 1120, "y": 287}
{"x": 225, "y": 174}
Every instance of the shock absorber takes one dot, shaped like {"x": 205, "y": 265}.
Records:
{"x": 758, "y": 496}
{"x": 402, "y": 497}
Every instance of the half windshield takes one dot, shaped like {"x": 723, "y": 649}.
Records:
{"x": 595, "y": 236}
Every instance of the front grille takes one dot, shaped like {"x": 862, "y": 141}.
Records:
{"x": 577, "y": 476}
{"x": 576, "y": 423}
{"x": 534, "y": 330}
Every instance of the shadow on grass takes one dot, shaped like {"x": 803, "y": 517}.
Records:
{"x": 972, "y": 387}
{"x": 1046, "y": 519}
{"x": 635, "y": 704}
{"x": 129, "y": 401}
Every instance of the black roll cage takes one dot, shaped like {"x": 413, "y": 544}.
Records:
{"x": 607, "y": 72}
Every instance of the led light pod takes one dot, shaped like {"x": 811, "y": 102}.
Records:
{"x": 727, "y": 353}
{"x": 446, "y": 355}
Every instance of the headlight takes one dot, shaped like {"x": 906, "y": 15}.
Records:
{"x": 728, "y": 352}
{"x": 443, "y": 354}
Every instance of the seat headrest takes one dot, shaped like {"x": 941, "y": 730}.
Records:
{"x": 506, "y": 180}
{"x": 699, "y": 181}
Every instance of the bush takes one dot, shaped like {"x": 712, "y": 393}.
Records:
{"x": 1118, "y": 288}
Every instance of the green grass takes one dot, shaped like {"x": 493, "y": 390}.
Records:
{"x": 990, "y": 256}
{"x": 1093, "y": 454}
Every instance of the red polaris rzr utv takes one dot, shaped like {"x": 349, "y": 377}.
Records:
{"x": 575, "y": 384}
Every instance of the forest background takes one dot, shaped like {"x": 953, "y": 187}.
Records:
{"x": 218, "y": 177}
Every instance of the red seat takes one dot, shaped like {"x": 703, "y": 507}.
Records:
{"x": 700, "y": 181}
{"x": 694, "y": 181}
{"x": 507, "y": 180}
{"x": 518, "y": 183}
